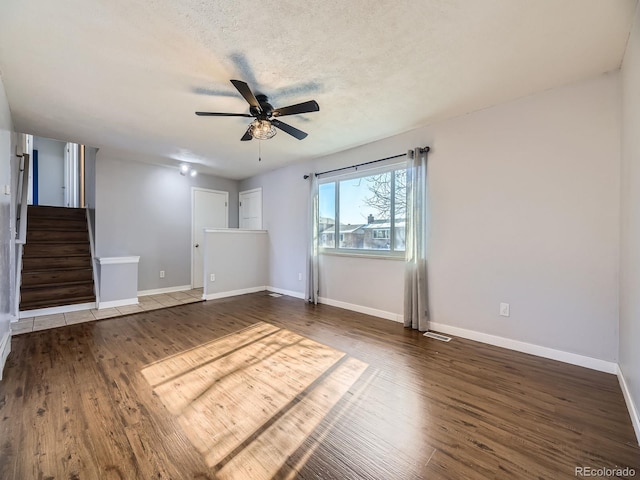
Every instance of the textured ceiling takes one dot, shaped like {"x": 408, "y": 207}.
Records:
{"x": 127, "y": 76}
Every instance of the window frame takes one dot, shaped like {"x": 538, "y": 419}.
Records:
{"x": 392, "y": 253}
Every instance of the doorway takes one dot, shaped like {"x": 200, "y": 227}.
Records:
{"x": 209, "y": 209}
{"x": 250, "y": 209}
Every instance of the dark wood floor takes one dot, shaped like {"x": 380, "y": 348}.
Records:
{"x": 260, "y": 387}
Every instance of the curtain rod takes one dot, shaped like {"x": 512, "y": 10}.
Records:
{"x": 424, "y": 149}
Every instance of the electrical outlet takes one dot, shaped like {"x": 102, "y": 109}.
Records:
{"x": 213, "y": 277}
{"x": 504, "y": 309}
{"x": 299, "y": 277}
{"x": 161, "y": 273}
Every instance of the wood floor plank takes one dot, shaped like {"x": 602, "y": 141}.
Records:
{"x": 266, "y": 454}
{"x": 257, "y": 387}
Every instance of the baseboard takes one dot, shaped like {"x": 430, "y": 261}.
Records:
{"x": 631, "y": 406}
{"x": 118, "y": 303}
{"x": 158, "y": 291}
{"x": 233, "y": 293}
{"x": 361, "y": 309}
{"x": 518, "y": 346}
{"x": 289, "y": 293}
{"x": 545, "y": 352}
{"x": 5, "y": 349}
{"x": 39, "y": 312}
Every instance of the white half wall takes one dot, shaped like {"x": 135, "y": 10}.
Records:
{"x": 144, "y": 209}
{"x": 235, "y": 262}
{"x": 118, "y": 280}
{"x": 524, "y": 209}
{"x": 630, "y": 226}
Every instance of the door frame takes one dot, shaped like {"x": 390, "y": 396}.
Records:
{"x": 253, "y": 190}
{"x": 193, "y": 215}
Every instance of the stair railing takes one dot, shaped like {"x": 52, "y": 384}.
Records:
{"x": 23, "y": 198}
{"x": 90, "y": 227}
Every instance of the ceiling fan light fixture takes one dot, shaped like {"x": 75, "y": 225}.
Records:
{"x": 262, "y": 129}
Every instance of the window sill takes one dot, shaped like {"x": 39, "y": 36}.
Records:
{"x": 376, "y": 256}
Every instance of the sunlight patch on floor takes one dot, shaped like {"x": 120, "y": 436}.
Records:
{"x": 266, "y": 454}
{"x": 248, "y": 401}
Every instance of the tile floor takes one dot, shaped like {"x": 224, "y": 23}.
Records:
{"x": 148, "y": 302}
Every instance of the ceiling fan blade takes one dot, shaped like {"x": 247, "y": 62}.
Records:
{"x": 247, "y": 135}
{"x": 215, "y": 114}
{"x": 305, "y": 107}
{"x": 246, "y": 92}
{"x": 293, "y": 131}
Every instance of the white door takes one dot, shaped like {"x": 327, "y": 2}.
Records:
{"x": 210, "y": 210}
{"x": 250, "y": 209}
{"x": 71, "y": 175}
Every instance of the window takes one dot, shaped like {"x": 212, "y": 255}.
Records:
{"x": 381, "y": 233}
{"x": 364, "y": 214}
{"x": 327, "y": 214}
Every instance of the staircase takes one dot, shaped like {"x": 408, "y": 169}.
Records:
{"x": 56, "y": 260}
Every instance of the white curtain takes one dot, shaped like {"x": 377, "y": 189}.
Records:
{"x": 416, "y": 307}
{"x": 312, "y": 270}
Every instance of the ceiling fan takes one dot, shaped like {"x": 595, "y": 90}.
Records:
{"x": 262, "y": 127}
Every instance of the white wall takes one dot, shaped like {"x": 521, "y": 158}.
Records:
{"x": 630, "y": 231}
{"x": 144, "y": 209}
{"x": 284, "y": 207}
{"x": 375, "y": 284}
{"x": 524, "y": 202}
{"x": 50, "y": 171}
{"x": 7, "y": 268}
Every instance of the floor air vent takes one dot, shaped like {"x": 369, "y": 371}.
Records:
{"x": 276, "y": 295}
{"x": 437, "y": 336}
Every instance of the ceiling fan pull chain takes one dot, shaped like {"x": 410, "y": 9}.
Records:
{"x": 259, "y": 150}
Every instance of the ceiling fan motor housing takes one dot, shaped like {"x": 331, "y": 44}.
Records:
{"x": 266, "y": 107}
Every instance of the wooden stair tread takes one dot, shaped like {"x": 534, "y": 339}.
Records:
{"x": 57, "y": 226}
{"x": 56, "y": 284}
{"x": 50, "y": 237}
{"x": 59, "y": 287}
{"x": 57, "y": 269}
{"x": 52, "y": 303}
{"x": 45, "y": 254}
{"x": 56, "y": 293}
{"x": 62, "y": 271}
{"x": 54, "y": 242}
{"x": 33, "y": 264}
{"x": 50, "y": 211}
{"x": 56, "y": 249}
{"x": 48, "y": 220}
